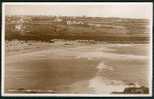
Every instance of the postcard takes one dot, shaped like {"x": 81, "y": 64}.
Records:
{"x": 77, "y": 49}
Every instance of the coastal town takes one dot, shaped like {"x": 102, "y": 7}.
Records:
{"x": 87, "y": 28}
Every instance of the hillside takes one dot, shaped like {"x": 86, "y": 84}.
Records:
{"x": 96, "y": 28}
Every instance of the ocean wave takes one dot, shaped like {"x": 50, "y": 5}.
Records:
{"x": 102, "y": 85}
{"x": 111, "y": 56}
{"x": 101, "y": 66}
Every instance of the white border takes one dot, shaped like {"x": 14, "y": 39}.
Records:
{"x": 74, "y": 3}
{"x": 70, "y": 95}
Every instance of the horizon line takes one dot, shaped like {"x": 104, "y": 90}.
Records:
{"x": 76, "y": 16}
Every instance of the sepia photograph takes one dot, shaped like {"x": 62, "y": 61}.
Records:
{"x": 77, "y": 49}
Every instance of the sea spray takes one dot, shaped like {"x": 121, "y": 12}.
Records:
{"x": 103, "y": 85}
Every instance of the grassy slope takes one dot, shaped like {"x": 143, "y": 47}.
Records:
{"x": 43, "y": 28}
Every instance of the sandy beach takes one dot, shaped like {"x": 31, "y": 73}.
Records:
{"x": 73, "y": 67}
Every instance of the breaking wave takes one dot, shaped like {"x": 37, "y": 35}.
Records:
{"x": 103, "y": 85}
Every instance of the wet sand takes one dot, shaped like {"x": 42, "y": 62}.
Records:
{"x": 42, "y": 72}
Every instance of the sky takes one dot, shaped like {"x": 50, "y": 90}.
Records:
{"x": 124, "y": 10}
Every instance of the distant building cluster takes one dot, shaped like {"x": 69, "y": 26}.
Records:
{"x": 74, "y": 22}
{"x": 68, "y": 20}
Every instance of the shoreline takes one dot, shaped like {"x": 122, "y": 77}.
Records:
{"x": 78, "y": 60}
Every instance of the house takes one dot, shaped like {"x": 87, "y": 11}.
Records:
{"x": 74, "y": 22}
